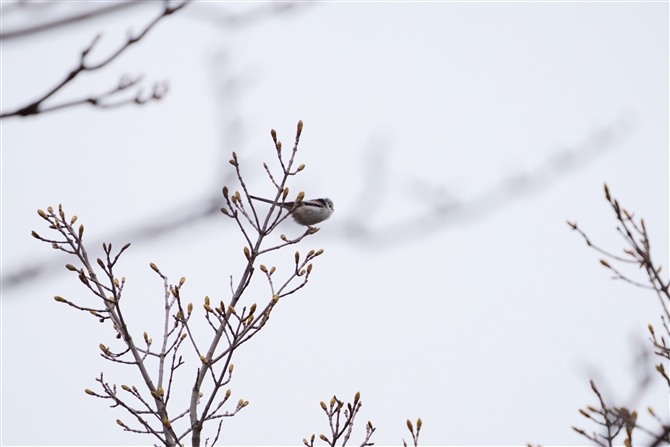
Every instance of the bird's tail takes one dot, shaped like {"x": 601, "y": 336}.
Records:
{"x": 262, "y": 199}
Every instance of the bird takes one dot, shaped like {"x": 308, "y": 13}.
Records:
{"x": 306, "y": 212}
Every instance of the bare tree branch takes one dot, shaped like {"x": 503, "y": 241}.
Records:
{"x": 97, "y": 101}
{"x": 232, "y": 327}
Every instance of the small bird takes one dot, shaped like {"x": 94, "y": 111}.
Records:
{"x": 307, "y": 212}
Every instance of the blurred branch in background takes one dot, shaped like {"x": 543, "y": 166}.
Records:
{"x": 355, "y": 227}
{"x": 444, "y": 210}
{"x": 217, "y": 17}
{"x": 33, "y": 8}
{"x": 100, "y": 100}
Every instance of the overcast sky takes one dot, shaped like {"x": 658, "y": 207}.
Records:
{"x": 455, "y": 140}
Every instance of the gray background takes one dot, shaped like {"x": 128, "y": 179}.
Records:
{"x": 486, "y": 320}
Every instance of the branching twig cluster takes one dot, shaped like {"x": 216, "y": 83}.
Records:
{"x": 102, "y": 100}
{"x": 615, "y": 419}
{"x": 341, "y": 423}
{"x": 230, "y": 326}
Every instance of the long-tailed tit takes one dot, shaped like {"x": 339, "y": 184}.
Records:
{"x": 307, "y": 212}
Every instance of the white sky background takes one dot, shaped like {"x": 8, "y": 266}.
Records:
{"x": 488, "y": 327}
